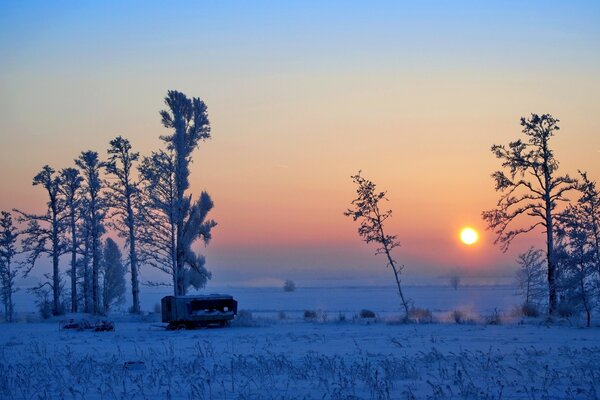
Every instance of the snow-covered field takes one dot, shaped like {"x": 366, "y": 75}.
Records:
{"x": 273, "y": 357}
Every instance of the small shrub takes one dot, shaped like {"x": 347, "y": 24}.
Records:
{"x": 458, "y": 316}
{"x": 341, "y": 317}
{"x": 310, "y": 315}
{"x": 282, "y": 315}
{"x": 244, "y": 318}
{"x": 494, "y": 318}
{"x": 366, "y": 314}
{"x": 289, "y": 286}
{"x": 530, "y": 310}
{"x": 420, "y": 315}
{"x": 43, "y": 303}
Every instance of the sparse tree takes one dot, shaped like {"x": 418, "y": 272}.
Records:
{"x": 530, "y": 188}
{"x": 95, "y": 208}
{"x": 189, "y": 121}
{"x": 45, "y": 233}
{"x": 126, "y": 204}
{"x": 8, "y": 272}
{"x": 531, "y": 279}
{"x": 113, "y": 273}
{"x": 70, "y": 188}
{"x": 372, "y": 218}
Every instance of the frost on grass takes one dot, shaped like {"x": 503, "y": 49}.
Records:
{"x": 44, "y": 372}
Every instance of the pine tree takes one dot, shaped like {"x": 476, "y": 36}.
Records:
{"x": 70, "y": 188}
{"x": 94, "y": 210}
{"x": 45, "y": 233}
{"x": 8, "y": 272}
{"x": 113, "y": 273}
{"x": 126, "y": 204}
{"x": 188, "y": 119}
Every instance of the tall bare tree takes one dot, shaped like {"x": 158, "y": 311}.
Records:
{"x": 45, "y": 233}
{"x": 70, "y": 187}
{"x": 125, "y": 203}
{"x": 95, "y": 211}
{"x": 531, "y": 188}
{"x": 372, "y": 218}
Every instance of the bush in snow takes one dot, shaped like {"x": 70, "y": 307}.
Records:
{"x": 420, "y": 315}
{"x": 289, "y": 286}
{"x": 366, "y": 314}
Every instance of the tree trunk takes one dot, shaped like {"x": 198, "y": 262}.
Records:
{"x": 73, "y": 263}
{"x": 135, "y": 289}
{"x": 549, "y": 231}
{"x": 55, "y": 255}
{"x": 95, "y": 283}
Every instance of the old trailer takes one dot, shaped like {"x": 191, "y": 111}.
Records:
{"x": 186, "y": 312}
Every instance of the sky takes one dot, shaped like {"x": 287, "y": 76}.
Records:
{"x": 302, "y": 95}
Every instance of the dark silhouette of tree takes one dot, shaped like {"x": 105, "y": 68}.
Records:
{"x": 113, "y": 273}
{"x": 372, "y": 218}
{"x": 189, "y": 120}
{"x": 126, "y": 203}
{"x": 70, "y": 188}
{"x": 95, "y": 210}
{"x": 531, "y": 188}
{"x": 45, "y": 234}
{"x": 8, "y": 272}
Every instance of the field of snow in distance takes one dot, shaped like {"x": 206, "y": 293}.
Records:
{"x": 273, "y": 352}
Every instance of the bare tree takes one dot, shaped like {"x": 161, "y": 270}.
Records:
{"x": 45, "y": 233}
{"x": 70, "y": 187}
{"x": 530, "y": 188}
{"x": 90, "y": 165}
{"x": 8, "y": 272}
{"x": 126, "y": 204}
{"x": 189, "y": 120}
{"x": 366, "y": 210}
{"x": 113, "y": 273}
{"x": 530, "y": 276}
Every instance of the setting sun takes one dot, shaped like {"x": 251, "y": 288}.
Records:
{"x": 469, "y": 236}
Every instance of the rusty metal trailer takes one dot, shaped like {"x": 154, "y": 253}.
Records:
{"x": 186, "y": 312}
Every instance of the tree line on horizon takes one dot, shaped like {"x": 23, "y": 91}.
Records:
{"x": 145, "y": 201}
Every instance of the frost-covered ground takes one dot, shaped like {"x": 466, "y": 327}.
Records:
{"x": 269, "y": 357}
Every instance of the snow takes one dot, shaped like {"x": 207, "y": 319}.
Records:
{"x": 269, "y": 357}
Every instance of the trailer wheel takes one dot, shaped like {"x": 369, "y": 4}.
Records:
{"x": 181, "y": 327}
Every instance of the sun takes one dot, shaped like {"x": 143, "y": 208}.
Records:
{"x": 469, "y": 236}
